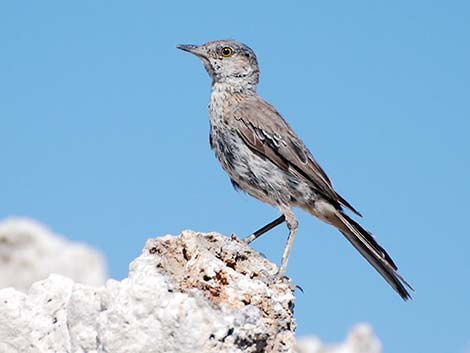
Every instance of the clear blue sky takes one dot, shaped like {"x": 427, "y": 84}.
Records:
{"x": 104, "y": 138}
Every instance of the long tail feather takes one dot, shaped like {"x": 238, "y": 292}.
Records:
{"x": 363, "y": 241}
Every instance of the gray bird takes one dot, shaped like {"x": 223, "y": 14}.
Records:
{"x": 264, "y": 157}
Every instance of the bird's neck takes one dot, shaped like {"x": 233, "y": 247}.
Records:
{"x": 236, "y": 85}
{"x": 225, "y": 96}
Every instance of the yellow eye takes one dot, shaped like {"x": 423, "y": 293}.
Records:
{"x": 226, "y": 52}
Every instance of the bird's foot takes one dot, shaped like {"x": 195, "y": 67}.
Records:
{"x": 250, "y": 238}
{"x": 281, "y": 274}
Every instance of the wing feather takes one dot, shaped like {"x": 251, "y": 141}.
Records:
{"x": 264, "y": 130}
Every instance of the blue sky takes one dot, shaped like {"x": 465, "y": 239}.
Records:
{"x": 104, "y": 138}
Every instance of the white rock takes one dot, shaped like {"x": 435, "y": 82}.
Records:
{"x": 191, "y": 293}
{"x": 361, "y": 339}
{"x": 30, "y": 252}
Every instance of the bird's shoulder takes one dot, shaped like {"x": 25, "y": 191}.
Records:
{"x": 265, "y": 131}
{"x": 262, "y": 123}
{"x": 263, "y": 127}
{"x": 258, "y": 112}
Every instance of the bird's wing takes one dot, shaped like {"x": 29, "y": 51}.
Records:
{"x": 264, "y": 130}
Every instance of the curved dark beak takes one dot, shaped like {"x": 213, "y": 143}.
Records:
{"x": 193, "y": 49}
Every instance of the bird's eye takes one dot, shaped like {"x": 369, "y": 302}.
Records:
{"x": 226, "y": 52}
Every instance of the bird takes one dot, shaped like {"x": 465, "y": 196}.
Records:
{"x": 263, "y": 157}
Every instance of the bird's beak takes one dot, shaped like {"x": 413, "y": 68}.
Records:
{"x": 193, "y": 49}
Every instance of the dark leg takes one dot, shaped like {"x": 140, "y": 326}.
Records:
{"x": 264, "y": 229}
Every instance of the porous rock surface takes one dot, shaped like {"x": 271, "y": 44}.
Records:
{"x": 30, "y": 252}
{"x": 191, "y": 293}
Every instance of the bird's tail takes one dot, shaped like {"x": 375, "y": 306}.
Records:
{"x": 365, "y": 243}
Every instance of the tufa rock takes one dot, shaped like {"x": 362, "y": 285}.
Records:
{"x": 361, "y": 339}
{"x": 191, "y": 293}
{"x": 29, "y": 252}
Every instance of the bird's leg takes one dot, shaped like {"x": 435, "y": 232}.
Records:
{"x": 292, "y": 224}
{"x": 264, "y": 229}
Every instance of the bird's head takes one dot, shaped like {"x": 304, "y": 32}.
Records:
{"x": 227, "y": 61}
